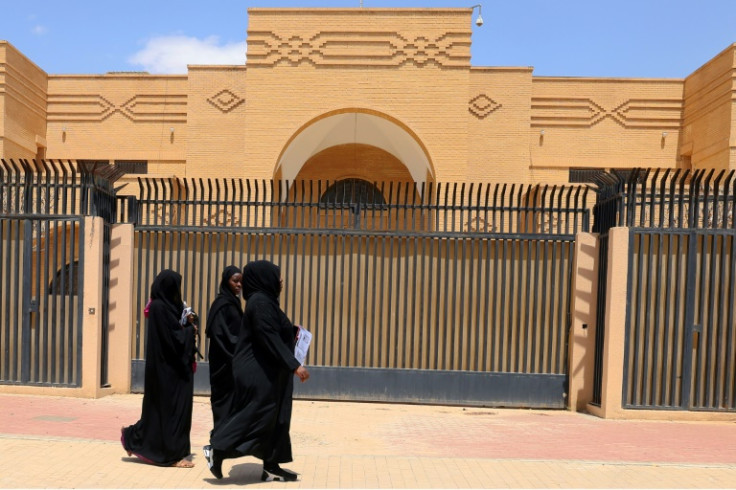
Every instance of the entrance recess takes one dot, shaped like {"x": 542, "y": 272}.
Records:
{"x": 355, "y": 127}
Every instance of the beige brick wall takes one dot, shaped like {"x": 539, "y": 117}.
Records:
{"x": 359, "y": 37}
{"x": 407, "y": 66}
{"x": 498, "y": 112}
{"x": 118, "y": 116}
{"x": 23, "y": 88}
{"x": 216, "y": 122}
{"x": 415, "y": 85}
{"x": 604, "y": 122}
{"x": 283, "y": 100}
{"x": 709, "y": 123}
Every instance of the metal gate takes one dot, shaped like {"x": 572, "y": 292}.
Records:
{"x": 680, "y": 351}
{"x": 41, "y": 300}
{"x": 434, "y": 295}
{"x": 42, "y": 209}
{"x": 681, "y": 331}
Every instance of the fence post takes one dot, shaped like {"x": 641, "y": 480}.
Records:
{"x": 583, "y": 329}
{"x": 92, "y": 306}
{"x": 122, "y": 260}
{"x": 615, "y": 325}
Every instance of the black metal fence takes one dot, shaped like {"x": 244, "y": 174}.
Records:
{"x": 49, "y": 187}
{"x": 666, "y": 199}
{"x": 42, "y": 264}
{"x": 468, "y": 284}
{"x": 680, "y": 332}
{"x": 360, "y": 205}
{"x": 454, "y": 281}
{"x": 41, "y": 300}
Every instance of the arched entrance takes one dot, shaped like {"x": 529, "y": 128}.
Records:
{"x": 349, "y": 146}
{"x": 355, "y": 143}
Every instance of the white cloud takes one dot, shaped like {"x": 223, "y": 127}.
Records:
{"x": 39, "y": 30}
{"x": 172, "y": 54}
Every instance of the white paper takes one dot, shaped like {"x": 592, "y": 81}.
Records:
{"x": 303, "y": 339}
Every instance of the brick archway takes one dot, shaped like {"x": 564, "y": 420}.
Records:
{"x": 351, "y": 132}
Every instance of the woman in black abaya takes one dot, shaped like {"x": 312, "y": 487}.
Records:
{"x": 223, "y": 323}
{"x": 263, "y": 370}
{"x": 161, "y": 436}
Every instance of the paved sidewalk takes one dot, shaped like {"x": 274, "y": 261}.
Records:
{"x": 74, "y": 443}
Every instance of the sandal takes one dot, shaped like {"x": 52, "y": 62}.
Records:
{"x": 183, "y": 463}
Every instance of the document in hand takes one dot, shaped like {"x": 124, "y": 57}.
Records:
{"x": 303, "y": 339}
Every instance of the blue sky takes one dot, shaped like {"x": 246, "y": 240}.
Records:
{"x": 615, "y": 38}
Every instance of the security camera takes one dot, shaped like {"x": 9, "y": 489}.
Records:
{"x": 479, "y": 21}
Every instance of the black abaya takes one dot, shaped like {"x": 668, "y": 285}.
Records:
{"x": 263, "y": 371}
{"x": 161, "y": 436}
{"x": 223, "y": 323}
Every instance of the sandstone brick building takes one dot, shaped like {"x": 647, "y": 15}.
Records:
{"x": 374, "y": 94}
{"x": 509, "y": 303}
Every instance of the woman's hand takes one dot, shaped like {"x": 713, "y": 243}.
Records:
{"x": 302, "y": 372}
{"x": 193, "y": 320}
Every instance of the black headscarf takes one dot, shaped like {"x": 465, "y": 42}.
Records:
{"x": 167, "y": 288}
{"x": 261, "y": 276}
{"x": 225, "y": 296}
{"x": 225, "y": 290}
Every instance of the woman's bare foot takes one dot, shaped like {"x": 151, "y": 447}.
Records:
{"x": 183, "y": 463}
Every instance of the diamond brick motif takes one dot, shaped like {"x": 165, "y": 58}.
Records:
{"x": 225, "y": 100}
{"x": 482, "y": 105}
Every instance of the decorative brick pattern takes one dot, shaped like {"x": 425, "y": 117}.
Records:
{"x": 97, "y": 108}
{"x": 482, "y": 105}
{"x": 339, "y": 48}
{"x": 585, "y": 112}
{"x": 225, "y": 100}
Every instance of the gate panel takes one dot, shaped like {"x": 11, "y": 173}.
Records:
{"x": 657, "y": 324}
{"x": 714, "y": 330}
{"x": 680, "y": 334}
{"x": 397, "y": 303}
{"x": 426, "y": 292}
{"x": 680, "y": 330}
{"x": 41, "y": 301}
